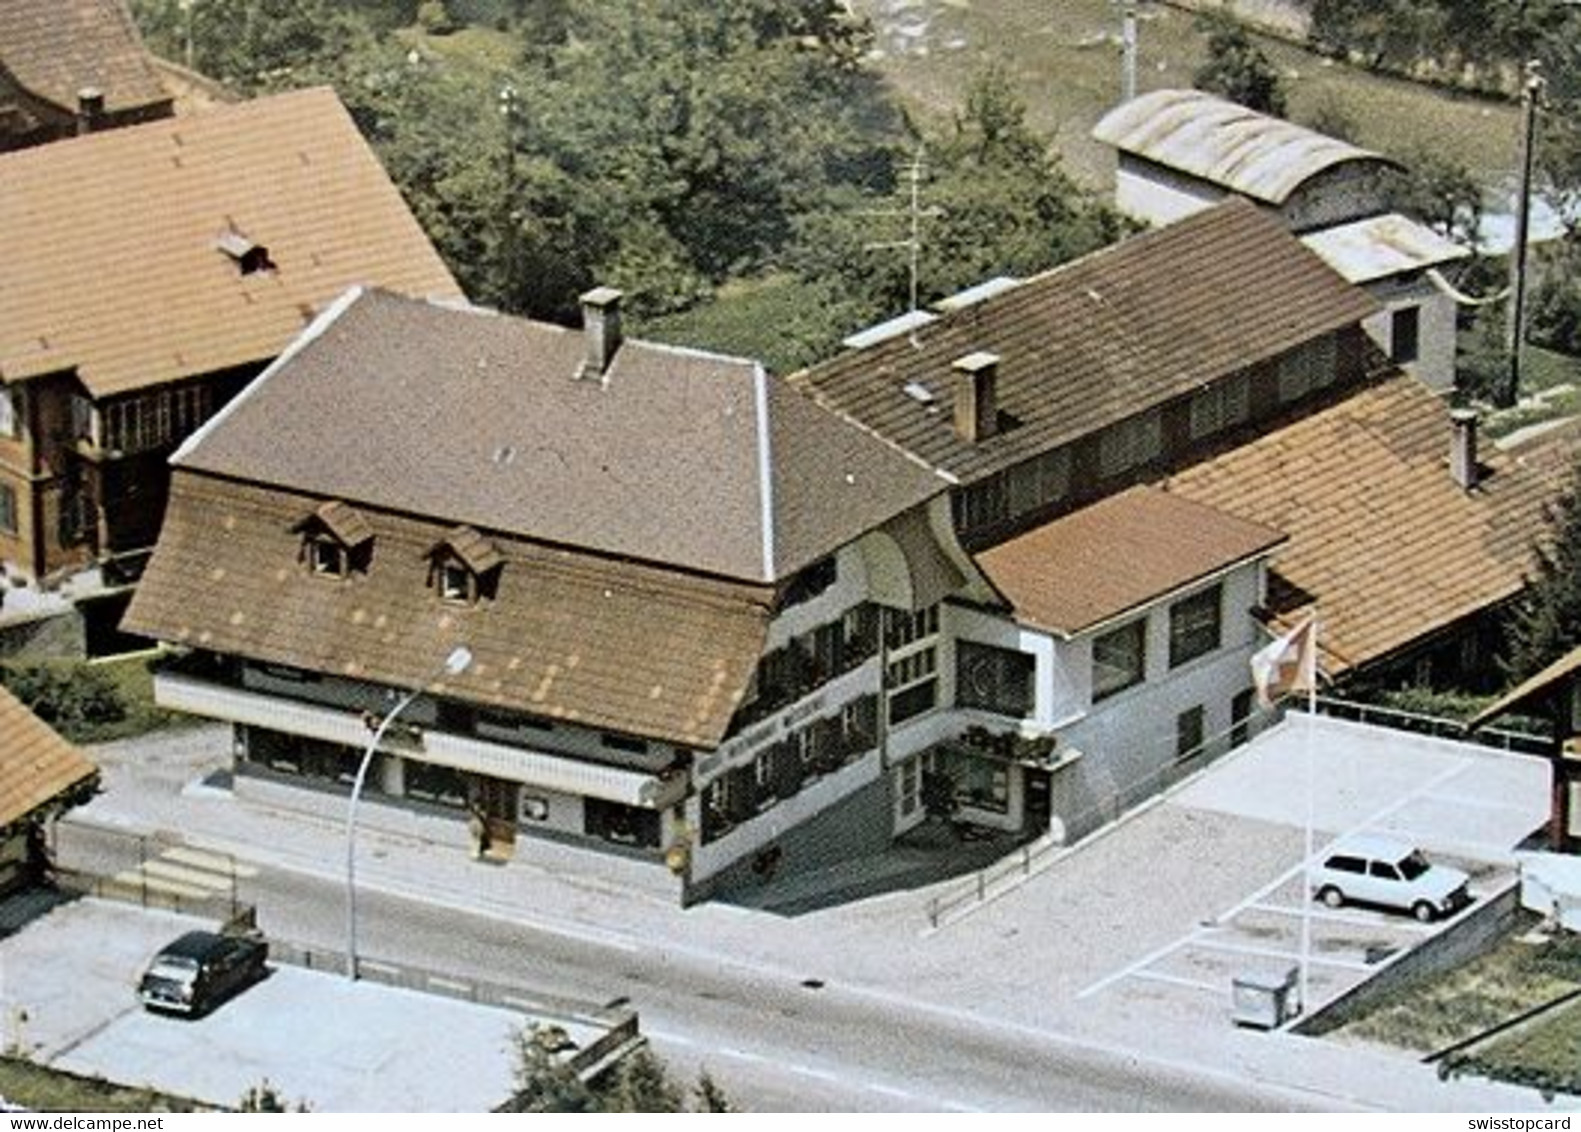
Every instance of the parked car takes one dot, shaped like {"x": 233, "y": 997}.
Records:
{"x": 1389, "y": 873}
{"x": 197, "y": 971}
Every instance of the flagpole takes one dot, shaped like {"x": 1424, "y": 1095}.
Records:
{"x": 1309, "y": 675}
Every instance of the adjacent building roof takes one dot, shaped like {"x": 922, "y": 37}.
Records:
{"x": 1382, "y": 246}
{"x": 1386, "y": 545}
{"x": 55, "y": 48}
{"x": 1223, "y": 142}
{"x": 1116, "y": 556}
{"x": 115, "y": 266}
{"x": 1551, "y": 681}
{"x": 693, "y": 460}
{"x": 1103, "y": 338}
{"x": 36, "y": 765}
{"x": 566, "y": 635}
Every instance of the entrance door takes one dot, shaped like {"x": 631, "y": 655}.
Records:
{"x": 499, "y": 801}
{"x": 1039, "y": 806}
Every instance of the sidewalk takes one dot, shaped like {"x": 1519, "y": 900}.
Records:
{"x": 1018, "y": 963}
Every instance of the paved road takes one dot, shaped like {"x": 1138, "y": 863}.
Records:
{"x": 986, "y": 1013}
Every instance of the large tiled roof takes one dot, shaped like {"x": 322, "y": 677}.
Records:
{"x": 1098, "y": 340}
{"x": 36, "y": 765}
{"x": 1110, "y": 558}
{"x": 55, "y": 48}
{"x": 1220, "y": 141}
{"x": 112, "y": 264}
{"x": 1382, "y": 540}
{"x": 565, "y": 635}
{"x": 694, "y": 460}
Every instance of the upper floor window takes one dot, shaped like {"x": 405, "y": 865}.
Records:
{"x": 1311, "y": 365}
{"x": 1221, "y": 405}
{"x": 1405, "y": 335}
{"x": 8, "y": 422}
{"x": 336, "y": 540}
{"x": 1131, "y": 443}
{"x": 464, "y": 566}
{"x": 1195, "y": 625}
{"x": 155, "y": 419}
{"x": 1119, "y": 659}
{"x": 811, "y": 582}
{"x": 994, "y": 679}
{"x": 8, "y": 516}
{"x": 1040, "y": 481}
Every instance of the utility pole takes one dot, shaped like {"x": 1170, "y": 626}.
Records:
{"x": 916, "y": 214}
{"x": 1127, "y": 50}
{"x": 1531, "y": 97}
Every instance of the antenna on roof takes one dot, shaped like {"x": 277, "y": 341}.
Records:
{"x": 916, "y": 213}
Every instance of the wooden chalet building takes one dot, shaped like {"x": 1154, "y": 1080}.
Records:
{"x": 151, "y": 272}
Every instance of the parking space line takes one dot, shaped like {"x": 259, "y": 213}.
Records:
{"x": 1275, "y": 953}
{"x": 1355, "y": 919}
{"x": 1138, "y": 967}
{"x": 1179, "y": 981}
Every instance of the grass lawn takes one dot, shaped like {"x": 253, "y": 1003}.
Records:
{"x": 1512, "y": 977}
{"x": 42, "y": 1089}
{"x": 127, "y": 680}
{"x": 1064, "y": 57}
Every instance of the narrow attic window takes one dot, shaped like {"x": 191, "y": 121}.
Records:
{"x": 336, "y": 540}
{"x": 248, "y": 256}
{"x": 464, "y": 566}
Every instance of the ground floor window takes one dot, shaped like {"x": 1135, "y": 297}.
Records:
{"x": 306, "y": 758}
{"x": 910, "y": 791}
{"x": 621, "y": 824}
{"x": 1190, "y": 732}
{"x": 1241, "y": 717}
{"x": 442, "y": 785}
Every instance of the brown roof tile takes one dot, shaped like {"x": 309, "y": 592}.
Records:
{"x": 1114, "y": 556}
{"x": 111, "y": 265}
{"x": 566, "y": 635}
{"x": 1381, "y": 538}
{"x": 691, "y": 459}
{"x": 54, "y": 48}
{"x": 1098, "y": 340}
{"x": 36, "y": 765}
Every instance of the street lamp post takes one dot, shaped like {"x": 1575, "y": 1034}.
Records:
{"x": 457, "y": 662}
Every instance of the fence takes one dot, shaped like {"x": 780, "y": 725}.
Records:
{"x": 617, "y": 1024}
{"x": 1437, "y": 727}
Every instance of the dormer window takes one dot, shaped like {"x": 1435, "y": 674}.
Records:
{"x": 464, "y": 566}
{"x": 336, "y": 541}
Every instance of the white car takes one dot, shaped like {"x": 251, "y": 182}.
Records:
{"x": 1388, "y": 873}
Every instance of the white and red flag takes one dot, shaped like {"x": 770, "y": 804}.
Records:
{"x": 1287, "y": 664}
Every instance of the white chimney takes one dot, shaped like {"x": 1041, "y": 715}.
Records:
{"x": 976, "y": 396}
{"x": 1463, "y": 447}
{"x": 601, "y": 326}
{"x": 90, "y": 108}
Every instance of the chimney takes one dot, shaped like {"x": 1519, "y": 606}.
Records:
{"x": 1463, "y": 447}
{"x": 601, "y": 326}
{"x": 90, "y": 108}
{"x": 976, "y": 403}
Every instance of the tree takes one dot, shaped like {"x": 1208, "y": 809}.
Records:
{"x": 641, "y": 1083}
{"x": 1547, "y": 620}
{"x": 1237, "y": 69}
{"x": 256, "y": 45}
{"x": 1441, "y": 193}
{"x": 994, "y": 200}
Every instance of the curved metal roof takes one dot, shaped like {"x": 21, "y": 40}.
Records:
{"x": 1253, "y": 154}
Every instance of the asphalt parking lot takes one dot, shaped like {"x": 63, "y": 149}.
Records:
{"x": 1466, "y": 806}
{"x": 319, "y": 1038}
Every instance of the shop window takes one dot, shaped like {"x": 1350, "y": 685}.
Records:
{"x": 1119, "y": 659}
{"x": 1195, "y": 625}
{"x": 622, "y": 825}
{"x": 981, "y": 784}
{"x": 993, "y": 679}
{"x": 442, "y": 785}
{"x": 1189, "y": 733}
